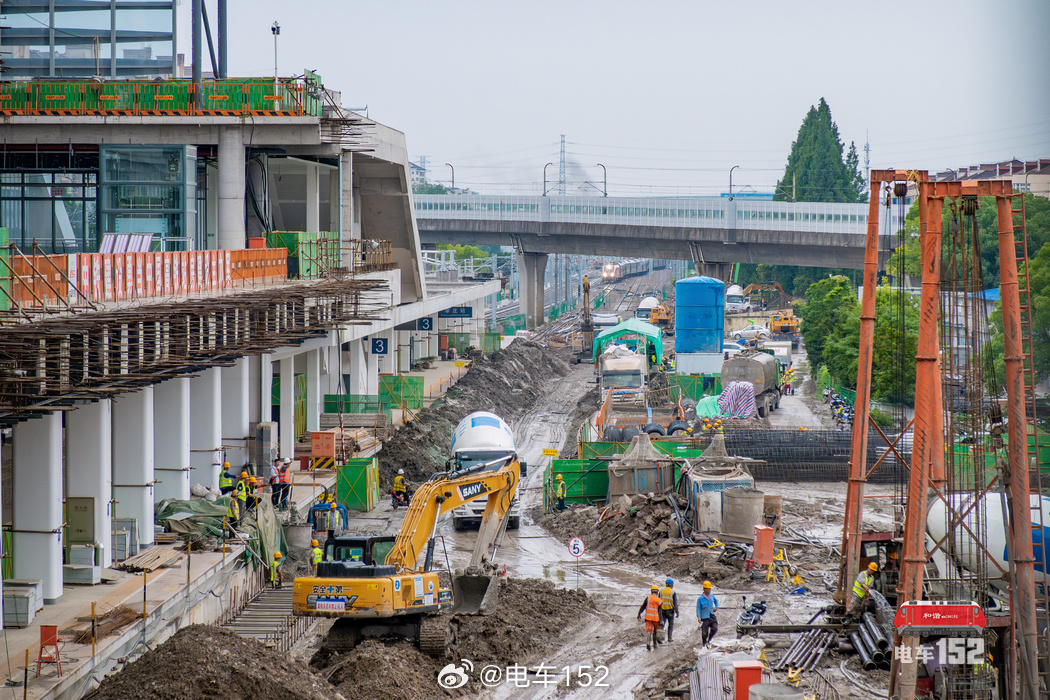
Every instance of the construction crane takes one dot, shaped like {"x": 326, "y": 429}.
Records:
{"x": 960, "y": 559}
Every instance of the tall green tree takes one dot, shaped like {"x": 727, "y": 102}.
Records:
{"x": 816, "y": 171}
{"x": 994, "y": 349}
{"x": 429, "y": 188}
{"x": 826, "y": 307}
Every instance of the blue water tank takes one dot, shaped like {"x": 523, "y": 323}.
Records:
{"x": 699, "y": 316}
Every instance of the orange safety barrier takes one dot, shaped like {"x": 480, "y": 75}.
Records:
{"x": 54, "y": 280}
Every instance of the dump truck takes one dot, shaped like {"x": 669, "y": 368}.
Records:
{"x": 623, "y": 373}
{"x": 377, "y": 586}
{"x": 784, "y": 326}
{"x": 762, "y": 371}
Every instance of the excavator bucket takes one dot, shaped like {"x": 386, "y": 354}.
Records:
{"x": 475, "y": 594}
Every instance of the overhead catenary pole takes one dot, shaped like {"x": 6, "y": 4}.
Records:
{"x": 223, "y": 65}
{"x": 195, "y": 50}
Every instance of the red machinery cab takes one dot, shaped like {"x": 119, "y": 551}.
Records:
{"x": 926, "y": 618}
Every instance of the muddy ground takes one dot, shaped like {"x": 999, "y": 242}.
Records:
{"x": 533, "y": 617}
{"x": 200, "y": 662}
{"x": 506, "y": 383}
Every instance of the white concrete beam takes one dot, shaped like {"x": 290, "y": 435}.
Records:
{"x": 89, "y": 468}
{"x": 171, "y": 433}
{"x": 313, "y": 390}
{"x": 133, "y": 457}
{"x": 37, "y": 503}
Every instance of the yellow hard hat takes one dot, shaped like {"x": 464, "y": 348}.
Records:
{"x": 893, "y": 555}
{"x": 873, "y": 566}
{"x": 331, "y": 505}
{"x": 707, "y": 584}
{"x": 225, "y": 465}
{"x": 276, "y": 555}
{"x": 655, "y": 587}
{"x": 244, "y": 475}
{"x": 558, "y": 477}
{"x": 251, "y": 480}
{"x": 313, "y": 543}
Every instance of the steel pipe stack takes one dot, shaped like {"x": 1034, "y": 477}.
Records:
{"x": 865, "y": 656}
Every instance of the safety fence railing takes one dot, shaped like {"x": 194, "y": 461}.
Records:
{"x": 174, "y": 97}
{"x": 50, "y": 282}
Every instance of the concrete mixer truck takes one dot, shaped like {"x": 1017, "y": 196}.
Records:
{"x": 482, "y": 438}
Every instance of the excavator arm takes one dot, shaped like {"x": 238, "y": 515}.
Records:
{"x": 447, "y": 491}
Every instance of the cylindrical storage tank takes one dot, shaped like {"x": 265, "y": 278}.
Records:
{"x": 741, "y": 511}
{"x": 699, "y": 320}
{"x": 767, "y": 691}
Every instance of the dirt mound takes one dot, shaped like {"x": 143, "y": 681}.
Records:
{"x": 646, "y": 532}
{"x": 200, "y": 661}
{"x": 507, "y": 383}
{"x": 531, "y": 618}
{"x": 586, "y": 408}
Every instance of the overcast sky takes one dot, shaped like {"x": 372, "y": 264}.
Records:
{"x": 669, "y": 95}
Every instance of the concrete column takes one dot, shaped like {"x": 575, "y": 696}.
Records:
{"x": 37, "y": 502}
{"x": 432, "y": 337}
{"x": 402, "y": 351}
{"x": 287, "y": 432}
{"x": 313, "y": 197}
{"x": 358, "y": 362}
{"x": 171, "y": 438}
{"x": 206, "y": 427}
{"x": 333, "y": 200}
{"x": 266, "y": 389}
{"x": 346, "y": 205}
{"x": 235, "y": 406}
{"x": 89, "y": 467}
{"x": 313, "y": 390}
{"x": 133, "y": 460}
{"x": 372, "y": 370}
{"x": 532, "y": 269}
{"x": 231, "y": 188}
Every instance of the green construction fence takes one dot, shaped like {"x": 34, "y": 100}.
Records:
{"x": 694, "y": 386}
{"x": 401, "y": 390}
{"x": 357, "y": 483}
{"x": 356, "y": 403}
{"x": 310, "y": 253}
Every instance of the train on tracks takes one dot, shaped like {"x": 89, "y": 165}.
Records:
{"x": 616, "y": 271}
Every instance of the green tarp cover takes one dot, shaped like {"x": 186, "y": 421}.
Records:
{"x": 630, "y": 326}
{"x": 201, "y": 517}
{"x": 707, "y": 407}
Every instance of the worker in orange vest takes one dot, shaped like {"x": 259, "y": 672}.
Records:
{"x": 286, "y": 482}
{"x": 651, "y": 608}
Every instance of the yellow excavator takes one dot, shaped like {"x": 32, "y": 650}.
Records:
{"x": 374, "y": 586}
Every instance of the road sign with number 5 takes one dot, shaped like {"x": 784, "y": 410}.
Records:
{"x": 576, "y": 547}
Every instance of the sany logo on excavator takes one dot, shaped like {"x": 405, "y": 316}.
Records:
{"x": 467, "y": 491}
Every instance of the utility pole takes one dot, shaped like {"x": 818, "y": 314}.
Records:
{"x": 561, "y": 168}
{"x": 793, "y": 198}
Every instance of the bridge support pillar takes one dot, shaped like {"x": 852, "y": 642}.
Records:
{"x": 720, "y": 271}
{"x": 531, "y": 270}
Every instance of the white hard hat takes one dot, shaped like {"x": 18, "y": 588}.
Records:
{"x": 400, "y": 471}
{"x": 287, "y": 460}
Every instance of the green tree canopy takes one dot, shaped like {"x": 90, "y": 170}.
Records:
{"x": 825, "y": 308}
{"x": 816, "y": 170}
{"x": 994, "y": 349}
{"x": 429, "y": 188}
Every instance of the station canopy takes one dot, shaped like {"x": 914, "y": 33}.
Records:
{"x": 632, "y": 326}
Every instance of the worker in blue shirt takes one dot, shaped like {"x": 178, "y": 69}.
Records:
{"x": 706, "y": 607}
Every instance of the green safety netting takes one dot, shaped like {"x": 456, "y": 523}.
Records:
{"x": 631, "y": 326}
{"x": 205, "y": 518}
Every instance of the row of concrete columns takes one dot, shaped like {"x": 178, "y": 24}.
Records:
{"x": 135, "y": 450}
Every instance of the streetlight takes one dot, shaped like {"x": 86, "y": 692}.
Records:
{"x": 276, "y": 29}
{"x": 605, "y": 180}
{"x": 731, "y": 181}
{"x": 453, "y": 177}
{"x": 545, "y": 178}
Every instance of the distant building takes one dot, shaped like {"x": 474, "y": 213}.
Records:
{"x": 418, "y": 173}
{"x": 86, "y": 38}
{"x": 1027, "y": 176}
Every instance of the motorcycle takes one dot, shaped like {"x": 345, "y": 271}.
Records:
{"x": 399, "y": 498}
{"x": 750, "y": 615}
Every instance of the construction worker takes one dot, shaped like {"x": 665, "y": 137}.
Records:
{"x": 316, "y": 554}
{"x": 233, "y": 512}
{"x": 252, "y": 497}
{"x": 275, "y": 483}
{"x": 275, "y": 570}
{"x": 241, "y": 491}
{"x": 225, "y": 479}
{"x": 668, "y": 606}
{"x": 332, "y": 521}
{"x": 286, "y": 482}
{"x": 651, "y": 608}
{"x": 559, "y": 491}
{"x": 401, "y": 485}
{"x": 864, "y": 581}
{"x": 706, "y": 607}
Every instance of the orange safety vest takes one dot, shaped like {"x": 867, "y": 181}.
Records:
{"x": 286, "y": 475}
{"x": 652, "y": 611}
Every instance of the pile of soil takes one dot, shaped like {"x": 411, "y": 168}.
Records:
{"x": 640, "y": 530}
{"x": 507, "y": 383}
{"x": 532, "y": 617}
{"x": 201, "y": 661}
{"x": 586, "y": 408}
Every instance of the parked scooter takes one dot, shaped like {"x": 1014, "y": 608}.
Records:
{"x": 750, "y": 615}
{"x": 399, "y": 498}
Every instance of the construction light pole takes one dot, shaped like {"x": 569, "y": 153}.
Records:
{"x": 276, "y": 29}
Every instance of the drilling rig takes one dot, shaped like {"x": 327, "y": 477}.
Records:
{"x": 959, "y": 498}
